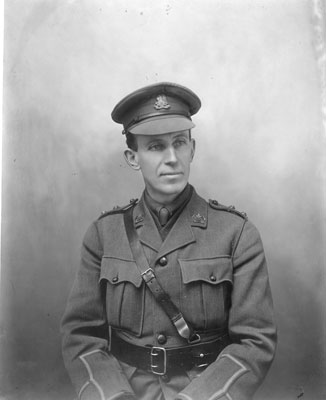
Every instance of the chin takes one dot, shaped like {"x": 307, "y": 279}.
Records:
{"x": 173, "y": 189}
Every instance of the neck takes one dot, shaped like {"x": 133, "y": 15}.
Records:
{"x": 164, "y": 200}
{"x": 178, "y": 203}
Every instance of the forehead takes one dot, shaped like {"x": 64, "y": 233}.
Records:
{"x": 164, "y": 137}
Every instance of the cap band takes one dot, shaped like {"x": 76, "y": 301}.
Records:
{"x": 162, "y": 124}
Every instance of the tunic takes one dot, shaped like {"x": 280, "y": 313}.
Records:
{"x": 212, "y": 265}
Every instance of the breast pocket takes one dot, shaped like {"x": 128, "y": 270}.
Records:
{"x": 206, "y": 291}
{"x": 125, "y": 294}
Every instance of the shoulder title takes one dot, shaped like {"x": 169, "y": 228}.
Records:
{"x": 118, "y": 210}
{"x": 231, "y": 209}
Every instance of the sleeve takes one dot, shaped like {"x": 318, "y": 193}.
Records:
{"x": 94, "y": 372}
{"x": 242, "y": 365}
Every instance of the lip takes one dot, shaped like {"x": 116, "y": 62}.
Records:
{"x": 172, "y": 174}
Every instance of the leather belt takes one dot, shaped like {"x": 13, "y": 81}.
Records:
{"x": 167, "y": 361}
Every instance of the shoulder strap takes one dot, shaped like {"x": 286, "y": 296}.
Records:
{"x": 231, "y": 209}
{"x": 119, "y": 210}
{"x": 148, "y": 275}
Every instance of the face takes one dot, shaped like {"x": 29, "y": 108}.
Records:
{"x": 164, "y": 161}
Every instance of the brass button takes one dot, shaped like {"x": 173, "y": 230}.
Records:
{"x": 163, "y": 261}
{"x": 161, "y": 338}
{"x": 212, "y": 278}
{"x": 115, "y": 279}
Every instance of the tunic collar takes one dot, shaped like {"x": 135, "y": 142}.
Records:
{"x": 173, "y": 207}
{"x": 194, "y": 214}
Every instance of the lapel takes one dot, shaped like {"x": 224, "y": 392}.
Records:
{"x": 182, "y": 233}
{"x": 147, "y": 231}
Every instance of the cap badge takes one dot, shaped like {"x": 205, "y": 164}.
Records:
{"x": 161, "y": 102}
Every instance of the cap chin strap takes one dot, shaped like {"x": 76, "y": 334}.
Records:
{"x": 148, "y": 275}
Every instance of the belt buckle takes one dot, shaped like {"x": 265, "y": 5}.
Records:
{"x": 148, "y": 275}
{"x": 156, "y": 367}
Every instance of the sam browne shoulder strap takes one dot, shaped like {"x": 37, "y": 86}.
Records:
{"x": 184, "y": 329}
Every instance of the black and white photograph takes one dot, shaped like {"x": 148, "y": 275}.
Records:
{"x": 163, "y": 200}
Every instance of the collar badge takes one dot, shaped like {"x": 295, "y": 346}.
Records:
{"x": 161, "y": 102}
{"x": 139, "y": 218}
{"x": 198, "y": 219}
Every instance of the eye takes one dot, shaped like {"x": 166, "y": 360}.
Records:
{"x": 180, "y": 142}
{"x": 155, "y": 147}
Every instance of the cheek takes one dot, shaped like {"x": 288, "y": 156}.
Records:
{"x": 148, "y": 168}
{"x": 187, "y": 159}
{"x": 150, "y": 162}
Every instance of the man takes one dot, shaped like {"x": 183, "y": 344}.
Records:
{"x": 172, "y": 298}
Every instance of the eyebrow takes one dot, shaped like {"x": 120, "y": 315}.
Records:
{"x": 183, "y": 134}
{"x": 154, "y": 141}
{"x": 180, "y": 136}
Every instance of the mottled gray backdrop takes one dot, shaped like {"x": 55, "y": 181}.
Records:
{"x": 258, "y": 67}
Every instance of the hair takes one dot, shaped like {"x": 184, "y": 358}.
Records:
{"x": 131, "y": 140}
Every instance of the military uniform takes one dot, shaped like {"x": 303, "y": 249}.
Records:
{"x": 211, "y": 263}
{"x": 213, "y": 266}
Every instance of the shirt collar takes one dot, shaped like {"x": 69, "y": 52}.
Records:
{"x": 177, "y": 203}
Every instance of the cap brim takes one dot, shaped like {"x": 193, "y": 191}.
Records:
{"x": 161, "y": 125}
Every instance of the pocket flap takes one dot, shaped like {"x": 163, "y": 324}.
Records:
{"x": 116, "y": 270}
{"x": 211, "y": 270}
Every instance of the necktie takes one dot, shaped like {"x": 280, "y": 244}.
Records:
{"x": 163, "y": 216}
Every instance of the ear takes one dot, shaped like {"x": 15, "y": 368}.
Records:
{"x": 193, "y": 148}
{"x": 131, "y": 158}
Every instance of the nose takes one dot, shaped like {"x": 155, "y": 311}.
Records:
{"x": 170, "y": 155}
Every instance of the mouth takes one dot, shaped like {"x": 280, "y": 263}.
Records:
{"x": 171, "y": 173}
